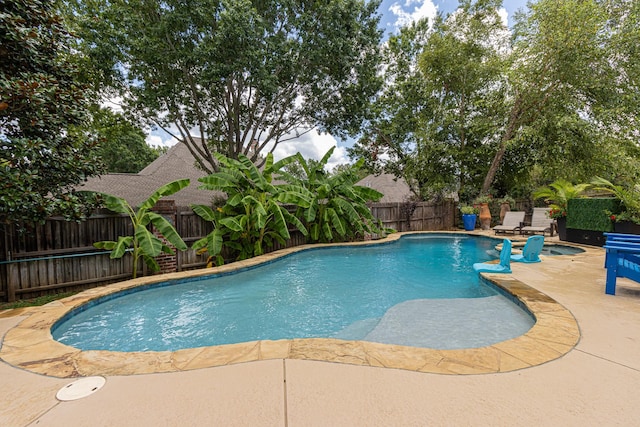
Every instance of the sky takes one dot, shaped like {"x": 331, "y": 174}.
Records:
{"x": 395, "y": 14}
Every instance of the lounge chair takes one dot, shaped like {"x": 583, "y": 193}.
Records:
{"x": 540, "y": 222}
{"x": 512, "y": 222}
{"x": 531, "y": 250}
{"x": 503, "y": 267}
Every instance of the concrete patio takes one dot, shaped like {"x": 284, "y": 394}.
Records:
{"x": 595, "y": 383}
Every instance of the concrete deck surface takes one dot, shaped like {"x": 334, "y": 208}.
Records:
{"x": 595, "y": 384}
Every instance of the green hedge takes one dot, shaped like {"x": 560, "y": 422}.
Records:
{"x": 589, "y": 214}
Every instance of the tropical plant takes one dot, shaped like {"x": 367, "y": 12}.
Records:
{"x": 254, "y": 215}
{"x": 144, "y": 243}
{"x": 629, "y": 198}
{"x": 558, "y": 193}
{"x": 338, "y": 208}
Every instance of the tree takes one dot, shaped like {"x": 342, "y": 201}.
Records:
{"x": 243, "y": 75}
{"x": 41, "y": 161}
{"x": 470, "y": 110}
{"x": 122, "y": 145}
{"x": 443, "y": 100}
{"x": 570, "y": 78}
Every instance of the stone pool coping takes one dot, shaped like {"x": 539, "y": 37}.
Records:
{"x": 30, "y": 345}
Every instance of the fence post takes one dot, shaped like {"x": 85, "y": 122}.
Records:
{"x": 167, "y": 208}
{"x": 178, "y": 227}
{"x": 10, "y": 277}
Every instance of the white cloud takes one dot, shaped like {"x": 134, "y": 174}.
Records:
{"x": 504, "y": 15}
{"x": 406, "y": 15}
{"x": 313, "y": 145}
{"x": 114, "y": 104}
{"x": 155, "y": 140}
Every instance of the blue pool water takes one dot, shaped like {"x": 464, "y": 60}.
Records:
{"x": 419, "y": 291}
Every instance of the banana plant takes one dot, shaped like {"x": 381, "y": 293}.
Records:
{"x": 338, "y": 209}
{"x": 144, "y": 244}
{"x": 254, "y": 216}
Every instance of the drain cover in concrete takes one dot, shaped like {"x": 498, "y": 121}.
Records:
{"x": 80, "y": 388}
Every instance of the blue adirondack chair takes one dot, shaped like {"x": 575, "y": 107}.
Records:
{"x": 622, "y": 259}
{"x": 531, "y": 250}
{"x": 503, "y": 267}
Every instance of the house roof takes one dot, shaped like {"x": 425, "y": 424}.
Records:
{"x": 395, "y": 189}
{"x": 176, "y": 163}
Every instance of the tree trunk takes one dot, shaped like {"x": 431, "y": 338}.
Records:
{"x": 509, "y": 133}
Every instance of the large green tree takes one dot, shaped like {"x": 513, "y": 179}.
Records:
{"x": 471, "y": 110}
{"x": 122, "y": 145}
{"x": 444, "y": 97}
{"x": 571, "y": 82}
{"x": 242, "y": 75}
{"x": 41, "y": 161}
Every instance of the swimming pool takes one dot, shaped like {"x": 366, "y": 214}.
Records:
{"x": 30, "y": 345}
{"x": 419, "y": 291}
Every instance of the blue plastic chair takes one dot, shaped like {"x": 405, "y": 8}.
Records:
{"x": 503, "y": 267}
{"x": 531, "y": 250}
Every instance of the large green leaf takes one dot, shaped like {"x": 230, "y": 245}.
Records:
{"x": 314, "y": 231}
{"x": 235, "y": 200}
{"x": 149, "y": 244}
{"x": 116, "y": 204}
{"x": 218, "y": 181}
{"x": 232, "y": 223}
{"x": 167, "y": 250}
{"x": 165, "y": 190}
{"x": 291, "y": 219}
{"x": 367, "y": 193}
{"x": 310, "y": 213}
{"x": 254, "y": 203}
{"x": 204, "y": 212}
{"x": 279, "y": 222}
{"x": 151, "y": 263}
{"x": 107, "y": 244}
{"x": 212, "y": 242}
{"x": 257, "y": 248}
{"x": 277, "y": 166}
{"x": 167, "y": 230}
{"x": 298, "y": 198}
{"x": 250, "y": 169}
{"x": 326, "y": 231}
{"x": 349, "y": 210}
{"x": 335, "y": 221}
{"x": 121, "y": 247}
{"x": 259, "y": 220}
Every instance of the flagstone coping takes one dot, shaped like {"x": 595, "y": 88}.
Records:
{"x": 30, "y": 345}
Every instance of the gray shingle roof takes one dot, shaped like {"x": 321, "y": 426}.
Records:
{"x": 395, "y": 190}
{"x": 176, "y": 163}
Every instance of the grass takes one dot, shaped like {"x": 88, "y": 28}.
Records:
{"x": 34, "y": 302}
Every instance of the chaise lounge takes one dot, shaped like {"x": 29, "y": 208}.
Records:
{"x": 511, "y": 223}
{"x": 540, "y": 222}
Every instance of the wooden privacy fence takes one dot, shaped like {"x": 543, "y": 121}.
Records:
{"x": 59, "y": 256}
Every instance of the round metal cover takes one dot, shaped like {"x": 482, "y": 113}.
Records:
{"x": 80, "y": 388}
